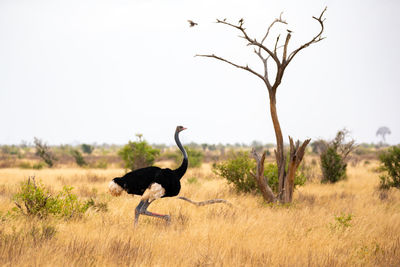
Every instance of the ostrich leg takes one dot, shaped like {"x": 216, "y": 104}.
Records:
{"x": 155, "y": 191}
{"x": 142, "y": 209}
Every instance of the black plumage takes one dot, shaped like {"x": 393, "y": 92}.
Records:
{"x": 140, "y": 182}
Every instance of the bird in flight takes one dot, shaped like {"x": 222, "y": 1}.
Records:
{"x": 192, "y": 23}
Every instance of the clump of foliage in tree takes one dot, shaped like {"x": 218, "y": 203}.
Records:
{"x": 334, "y": 157}
{"x": 88, "y": 149}
{"x": 43, "y": 151}
{"x": 240, "y": 169}
{"x": 78, "y": 157}
{"x": 34, "y": 199}
{"x": 138, "y": 154}
{"x": 390, "y": 164}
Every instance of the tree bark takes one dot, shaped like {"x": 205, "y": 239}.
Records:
{"x": 279, "y": 152}
{"x": 296, "y": 156}
{"x": 262, "y": 181}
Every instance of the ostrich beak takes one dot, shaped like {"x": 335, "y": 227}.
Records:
{"x": 183, "y": 128}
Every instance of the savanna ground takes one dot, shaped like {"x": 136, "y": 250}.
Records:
{"x": 346, "y": 224}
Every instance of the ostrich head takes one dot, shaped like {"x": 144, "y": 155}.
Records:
{"x": 114, "y": 187}
{"x": 180, "y": 129}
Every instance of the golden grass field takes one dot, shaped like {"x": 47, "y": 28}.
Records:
{"x": 250, "y": 233}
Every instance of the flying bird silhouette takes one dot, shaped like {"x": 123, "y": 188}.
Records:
{"x": 192, "y": 23}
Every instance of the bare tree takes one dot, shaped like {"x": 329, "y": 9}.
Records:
{"x": 281, "y": 59}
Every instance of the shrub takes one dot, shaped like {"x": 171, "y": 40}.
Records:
{"x": 27, "y": 165}
{"x": 78, "y": 157}
{"x": 390, "y": 163}
{"x": 341, "y": 221}
{"x": 332, "y": 165}
{"x": 88, "y": 149}
{"x": 334, "y": 157}
{"x": 38, "y": 166}
{"x": 195, "y": 157}
{"x": 43, "y": 151}
{"x": 138, "y": 154}
{"x": 40, "y": 203}
{"x": 34, "y": 197}
{"x": 101, "y": 164}
{"x": 11, "y": 150}
{"x": 238, "y": 171}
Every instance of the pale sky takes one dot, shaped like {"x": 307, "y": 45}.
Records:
{"x": 102, "y": 70}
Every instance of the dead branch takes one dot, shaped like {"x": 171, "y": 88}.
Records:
{"x": 233, "y": 64}
{"x": 207, "y": 202}
{"x": 19, "y": 206}
{"x": 277, "y": 20}
{"x": 262, "y": 181}
{"x": 314, "y": 40}
{"x": 252, "y": 41}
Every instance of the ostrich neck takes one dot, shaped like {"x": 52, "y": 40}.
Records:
{"x": 182, "y": 169}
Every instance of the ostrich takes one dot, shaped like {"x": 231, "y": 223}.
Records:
{"x": 152, "y": 183}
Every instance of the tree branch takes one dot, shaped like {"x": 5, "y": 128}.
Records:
{"x": 314, "y": 40}
{"x": 285, "y": 46}
{"x": 233, "y": 64}
{"x": 250, "y": 40}
{"x": 272, "y": 24}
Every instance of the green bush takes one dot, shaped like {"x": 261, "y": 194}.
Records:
{"x": 101, "y": 164}
{"x": 332, "y": 165}
{"x": 390, "y": 164}
{"x": 138, "y": 154}
{"x": 237, "y": 171}
{"x": 88, "y": 149}
{"x": 78, "y": 157}
{"x": 195, "y": 157}
{"x": 11, "y": 150}
{"x": 34, "y": 199}
{"x": 334, "y": 156}
{"x": 38, "y": 166}
{"x": 27, "y": 165}
{"x": 238, "y": 168}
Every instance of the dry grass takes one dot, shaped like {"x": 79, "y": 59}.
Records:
{"x": 249, "y": 234}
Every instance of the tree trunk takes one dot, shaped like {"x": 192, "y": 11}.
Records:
{"x": 279, "y": 152}
{"x": 296, "y": 156}
{"x": 286, "y": 179}
{"x": 262, "y": 181}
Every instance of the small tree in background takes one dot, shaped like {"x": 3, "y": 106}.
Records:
{"x": 138, "y": 154}
{"x": 78, "y": 157}
{"x": 88, "y": 149}
{"x": 334, "y": 157}
{"x": 43, "y": 151}
{"x": 383, "y": 131}
{"x": 390, "y": 164}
